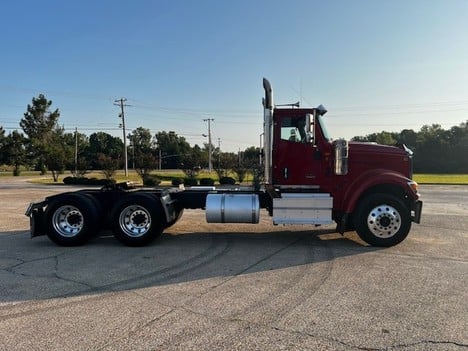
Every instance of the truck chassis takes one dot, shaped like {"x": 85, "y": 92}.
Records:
{"x": 137, "y": 216}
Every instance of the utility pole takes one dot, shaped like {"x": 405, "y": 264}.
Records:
{"x": 160, "y": 158}
{"x": 121, "y": 102}
{"x": 210, "y": 163}
{"x": 219, "y": 152}
{"x": 132, "y": 144}
{"x": 158, "y": 146}
{"x": 76, "y": 151}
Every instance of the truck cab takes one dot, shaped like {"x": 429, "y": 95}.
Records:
{"x": 301, "y": 149}
{"x": 362, "y": 186}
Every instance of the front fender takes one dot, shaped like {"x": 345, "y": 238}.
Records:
{"x": 379, "y": 179}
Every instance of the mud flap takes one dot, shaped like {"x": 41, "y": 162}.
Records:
{"x": 36, "y": 223}
{"x": 35, "y": 212}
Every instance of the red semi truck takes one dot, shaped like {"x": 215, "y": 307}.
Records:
{"x": 308, "y": 179}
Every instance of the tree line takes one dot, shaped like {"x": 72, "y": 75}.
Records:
{"x": 43, "y": 145}
{"x": 436, "y": 150}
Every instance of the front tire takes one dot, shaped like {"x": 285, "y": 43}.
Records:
{"x": 382, "y": 220}
{"x": 137, "y": 220}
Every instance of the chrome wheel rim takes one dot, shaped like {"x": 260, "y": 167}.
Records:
{"x": 384, "y": 221}
{"x": 135, "y": 221}
{"x": 68, "y": 221}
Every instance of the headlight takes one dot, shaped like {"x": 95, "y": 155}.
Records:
{"x": 414, "y": 186}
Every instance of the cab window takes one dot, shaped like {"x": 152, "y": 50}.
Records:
{"x": 293, "y": 129}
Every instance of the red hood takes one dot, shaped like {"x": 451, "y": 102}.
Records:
{"x": 370, "y": 156}
{"x": 374, "y": 148}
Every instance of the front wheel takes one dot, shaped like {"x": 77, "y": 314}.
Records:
{"x": 382, "y": 220}
{"x": 137, "y": 220}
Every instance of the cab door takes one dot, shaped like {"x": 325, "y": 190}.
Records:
{"x": 296, "y": 161}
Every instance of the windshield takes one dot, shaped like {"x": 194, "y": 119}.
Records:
{"x": 322, "y": 126}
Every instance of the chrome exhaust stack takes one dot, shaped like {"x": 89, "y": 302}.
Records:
{"x": 268, "y": 107}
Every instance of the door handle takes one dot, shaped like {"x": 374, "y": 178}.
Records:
{"x": 285, "y": 173}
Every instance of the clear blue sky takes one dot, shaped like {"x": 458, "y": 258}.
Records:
{"x": 376, "y": 65}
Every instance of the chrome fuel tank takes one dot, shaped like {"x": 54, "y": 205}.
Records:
{"x": 232, "y": 208}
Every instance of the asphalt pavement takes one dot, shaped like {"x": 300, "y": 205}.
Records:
{"x": 236, "y": 287}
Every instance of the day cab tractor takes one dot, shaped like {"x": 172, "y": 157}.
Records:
{"x": 309, "y": 179}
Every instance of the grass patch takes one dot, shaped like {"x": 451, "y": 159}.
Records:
{"x": 441, "y": 178}
{"x": 23, "y": 173}
{"x": 168, "y": 175}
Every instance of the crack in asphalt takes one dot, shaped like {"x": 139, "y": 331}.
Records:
{"x": 420, "y": 256}
{"x": 200, "y": 259}
{"x": 175, "y": 307}
{"x": 335, "y": 340}
{"x": 267, "y": 257}
{"x": 367, "y": 348}
{"x": 423, "y": 342}
{"x": 11, "y": 268}
{"x": 181, "y": 268}
{"x": 132, "y": 332}
{"x": 237, "y": 319}
{"x": 54, "y": 274}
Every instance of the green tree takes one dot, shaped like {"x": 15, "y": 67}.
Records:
{"x": 383, "y": 138}
{"x": 103, "y": 144}
{"x": 408, "y": 137}
{"x": 386, "y": 138}
{"x": 172, "y": 147}
{"x": 251, "y": 157}
{"x": 224, "y": 162}
{"x": 15, "y": 151}
{"x": 435, "y": 150}
{"x": 143, "y": 152}
{"x": 3, "y": 139}
{"x": 108, "y": 165}
{"x": 59, "y": 152}
{"x": 38, "y": 124}
{"x": 369, "y": 138}
{"x": 432, "y": 149}
{"x": 79, "y": 141}
{"x": 191, "y": 161}
{"x": 458, "y": 148}
{"x": 141, "y": 139}
{"x": 241, "y": 167}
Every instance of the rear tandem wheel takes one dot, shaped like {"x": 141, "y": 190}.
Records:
{"x": 72, "y": 219}
{"x": 137, "y": 219}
